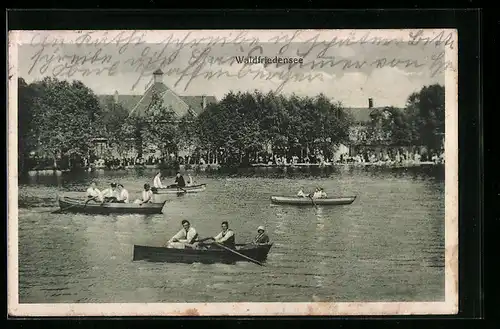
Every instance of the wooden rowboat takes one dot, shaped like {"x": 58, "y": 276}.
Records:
{"x": 180, "y": 190}
{"x": 204, "y": 256}
{"x": 92, "y": 207}
{"x": 300, "y": 201}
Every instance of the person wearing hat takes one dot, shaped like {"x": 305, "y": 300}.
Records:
{"x": 110, "y": 194}
{"x": 147, "y": 195}
{"x": 261, "y": 237}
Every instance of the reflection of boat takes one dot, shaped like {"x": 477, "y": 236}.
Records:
{"x": 173, "y": 189}
{"x": 92, "y": 207}
{"x": 205, "y": 256}
{"x": 299, "y": 201}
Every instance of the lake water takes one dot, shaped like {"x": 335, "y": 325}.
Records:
{"x": 386, "y": 246}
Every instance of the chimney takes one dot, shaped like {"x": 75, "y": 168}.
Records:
{"x": 158, "y": 76}
{"x": 116, "y": 97}
{"x": 203, "y": 102}
{"x": 370, "y": 103}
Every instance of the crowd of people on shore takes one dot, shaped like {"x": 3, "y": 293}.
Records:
{"x": 364, "y": 157}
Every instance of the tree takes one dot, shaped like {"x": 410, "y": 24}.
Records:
{"x": 243, "y": 124}
{"x": 26, "y": 135}
{"x": 66, "y": 118}
{"x": 187, "y": 132}
{"x": 391, "y": 126}
{"x": 160, "y": 126}
{"x": 426, "y": 110}
{"x": 118, "y": 128}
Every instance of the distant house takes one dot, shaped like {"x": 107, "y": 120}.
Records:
{"x": 138, "y": 104}
{"x": 360, "y": 136}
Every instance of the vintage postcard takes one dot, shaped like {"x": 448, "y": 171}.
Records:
{"x": 232, "y": 173}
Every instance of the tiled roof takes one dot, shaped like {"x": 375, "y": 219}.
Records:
{"x": 195, "y": 102}
{"x": 362, "y": 114}
{"x": 127, "y": 101}
{"x": 169, "y": 98}
{"x": 137, "y": 104}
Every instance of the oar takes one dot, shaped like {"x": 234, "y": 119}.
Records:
{"x": 237, "y": 253}
{"x": 58, "y": 211}
{"x": 314, "y": 203}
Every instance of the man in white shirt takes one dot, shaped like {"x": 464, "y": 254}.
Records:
{"x": 226, "y": 236}
{"x": 147, "y": 195}
{"x": 157, "y": 181}
{"x": 110, "y": 194}
{"x": 317, "y": 193}
{"x": 123, "y": 194}
{"x": 301, "y": 193}
{"x": 186, "y": 236}
{"x": 93, "y": 193}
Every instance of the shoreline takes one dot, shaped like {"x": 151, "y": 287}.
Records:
{"x": 203, "y": 168}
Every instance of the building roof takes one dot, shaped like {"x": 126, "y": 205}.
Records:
{"x": 361, "y": 114}
{"x": 127, "y": 101}
{"x": 138, "y": 104}
{"x": 169, "y": 98}
{"x": 195, "y": 102}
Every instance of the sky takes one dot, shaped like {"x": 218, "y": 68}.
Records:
{"x": 350, "y": 73}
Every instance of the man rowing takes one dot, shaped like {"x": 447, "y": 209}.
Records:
{"x": 123, "y": 194}
{"x": 261, "y": 237}
{"x": 147, "y": 195}
{"x": 301, "y": 193}
{"x": 179, "y": 180}
{"x": 185, "y": 237}
{"x": 226, "y": 236}
{"x": 93, "y": 193}
{"x": 157, "y": 181}
{"x": 110, "y": 194}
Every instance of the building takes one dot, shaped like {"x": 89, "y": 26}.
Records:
{"x": 138, "y": 104}
{"x": 361, "y": 136}
{"x": 367, "y": 139}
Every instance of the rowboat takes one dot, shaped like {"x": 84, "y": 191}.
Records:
{"x": 92, "y": 207}
{"x": 204, "y": 256}
{"x": 180, "y": 190}
{"x": 301, "y": 201}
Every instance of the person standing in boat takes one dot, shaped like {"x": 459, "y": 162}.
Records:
{"x": 110, "y": 194}
{"x": 226, "y": 236}
{"x": 93, "y": 193}
{"x": 261, "y": 237}
{"x": 179, "y": 180}
{"x": 123, "y": 194}
{"x": 157, "y": 181}
{"x": 147, "y": 195}
{"x": 186, "y": 236}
